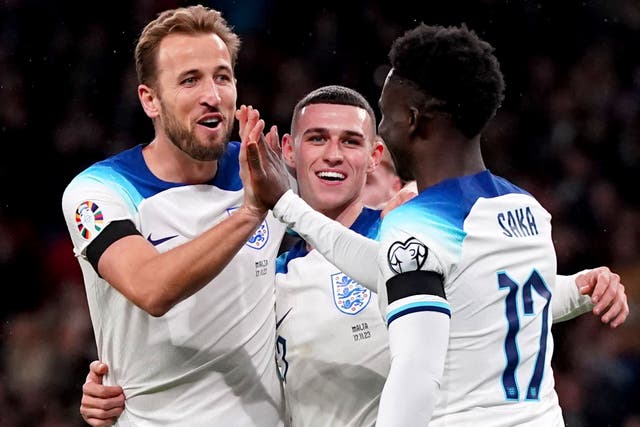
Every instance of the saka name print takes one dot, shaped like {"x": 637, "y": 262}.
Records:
{"x": 518, "y": 222}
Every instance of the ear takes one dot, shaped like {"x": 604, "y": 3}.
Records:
{"x": 420, "y": 122}
{"x": 288, "y": 153}
{"x": 150, "y": 102}
{"x": 414, "y": 117}
{"x": 376, "y": 154}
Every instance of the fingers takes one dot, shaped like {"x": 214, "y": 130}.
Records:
{"x": 253, "y": 156}
{"x": 247, "y": 118}
{"x": 100, "y": 417}
{"x": 255, "y": 163}
{"x": 100, "y": 391}
{"x": 618, "y": 312}
{"x": 607, "y": 294}
{"x": 97, "y": 370}
{"x": 101, "y": 405}
{"x": 605, "y": 290}
{"x": 274, "y": 139}
{"x": 98, "y": 422}
{"x": 271, "y": 152}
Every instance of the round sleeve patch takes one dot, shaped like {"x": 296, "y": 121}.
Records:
{"x": 89, "y": 219}
{"x": 407, "y": 256}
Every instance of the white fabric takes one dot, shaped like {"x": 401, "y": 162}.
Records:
{"x": 210, "y": 359}
{"x": 332, "y": 344}
{"x": 465, "y": 400}
{"x": 568, "y": 302}
{"x": 407, "y": 400}
{"x": 491, "y": 242}
{"x": 334, "y": 241}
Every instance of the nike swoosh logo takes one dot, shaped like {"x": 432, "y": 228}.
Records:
{"x": 279, "y": 322}
{"x": 159, "y": 241}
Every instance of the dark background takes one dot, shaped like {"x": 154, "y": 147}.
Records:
{"x": 569, "y": 132}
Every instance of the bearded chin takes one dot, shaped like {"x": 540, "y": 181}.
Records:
{"x": 187, "y": 142}
{"x": 198, "y": 152}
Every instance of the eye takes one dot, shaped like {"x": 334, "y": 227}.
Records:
{"x": 189, "y": 81}
{"x": 353, "y": 142}
{"x": 223, "y": 79}
{"x": 316, "y": 138}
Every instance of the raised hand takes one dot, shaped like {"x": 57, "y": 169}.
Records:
{"x": 607, "y": 294}
{"x": 101, "y": 405}
{"x": 268, "y": 177}
{"x": 251, "y": 126}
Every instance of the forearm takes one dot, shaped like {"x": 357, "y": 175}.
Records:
{"x": 344, "y": 248}
{"x": 418, "y": 345}
{"x": 157, "y": 281}
{"x": 567, "y": 302}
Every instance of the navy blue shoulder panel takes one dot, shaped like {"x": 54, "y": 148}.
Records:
{"x": 452, "y": 199}
{"x": 131, "y": 165}
{"x": 228, "y": 175}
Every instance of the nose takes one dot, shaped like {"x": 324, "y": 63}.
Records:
{"x": 211, "y": 94}
{"x": 333, "y": 151}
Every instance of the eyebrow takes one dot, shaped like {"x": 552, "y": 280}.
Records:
{"x": 191, "y": 71}
{"x": 343, "y": 133}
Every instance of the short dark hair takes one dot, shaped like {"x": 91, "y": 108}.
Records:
{"x": 453, "y": 65}
{"x": 334, "y": 94}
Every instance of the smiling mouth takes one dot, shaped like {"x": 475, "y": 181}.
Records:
{"x": 210, "y": 123}
{"x": 331, "y": 176}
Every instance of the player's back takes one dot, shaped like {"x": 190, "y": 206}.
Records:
{"x": 493, "y": 244}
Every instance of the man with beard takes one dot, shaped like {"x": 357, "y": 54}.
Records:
{"x": 332, "y": 342}
{"x": 177, "y": 259}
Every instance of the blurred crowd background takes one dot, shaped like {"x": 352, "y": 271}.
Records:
{"x": 569, "y": 131}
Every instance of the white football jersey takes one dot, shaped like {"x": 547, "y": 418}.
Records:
{"x": 491, "y": 243}
{"x": 210, "y": 359}
{"x": 332, "y": 341}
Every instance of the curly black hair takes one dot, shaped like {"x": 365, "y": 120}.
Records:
{"x": 453, "y": 65}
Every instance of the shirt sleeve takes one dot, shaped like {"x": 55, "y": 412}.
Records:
{"x": 418, "y": 346}
{"x": 567, "y": 301}
{"x": 412, "y": 298}
{"x": 88, "y": 207}
{"x": 340, "y": 245}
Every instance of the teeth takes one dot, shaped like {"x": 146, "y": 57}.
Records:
{"x": 331, "y": 175}
{"x": 210, "y": 122}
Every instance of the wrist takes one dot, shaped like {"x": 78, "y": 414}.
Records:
{"x": 253, "y": 213}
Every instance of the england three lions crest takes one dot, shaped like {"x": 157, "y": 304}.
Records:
{"x": 260, "y": 237}
{"x": 350, "y": 296}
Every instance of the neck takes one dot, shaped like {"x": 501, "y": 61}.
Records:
{"x": 348, "y": 215}
{"x": 444, "y": 156}
{"x": 169, "y": 163}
